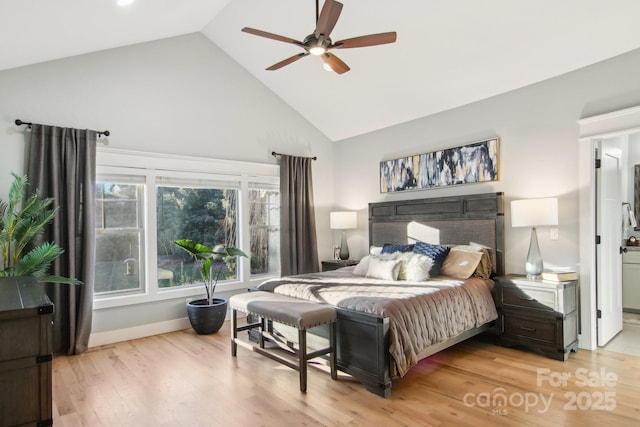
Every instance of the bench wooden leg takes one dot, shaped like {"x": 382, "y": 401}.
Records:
{"x": 302, "y": 358}
{"x": 263, "y": 329}
{"x": 333, "y": 357}
{"x": 234, "y": 332}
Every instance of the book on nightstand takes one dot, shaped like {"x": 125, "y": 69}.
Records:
{"x": 559, "y": 276}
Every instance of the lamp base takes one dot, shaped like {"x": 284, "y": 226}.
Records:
{"x": 344, "y": 248}
{"x": 534, "y": 266}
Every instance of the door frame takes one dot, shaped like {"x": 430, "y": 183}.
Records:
{"x": 592, "y": 129}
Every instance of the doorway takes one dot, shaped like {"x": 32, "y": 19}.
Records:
{"x": 594, "y": 130}
{"x": 628, "y": 340}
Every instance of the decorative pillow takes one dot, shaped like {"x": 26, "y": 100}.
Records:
{"x": 404, "y": 258}
{"x": 375, "y": 250}
{"x": 485, "y": 267}
{"x": 437, "y": 253}
{"x": 383, "y": 268}
{"x": 389, "y": 248}
{"x": 460, "y": 264}
{"x": 416, "y": 268}
{"x": 361, "y": 268}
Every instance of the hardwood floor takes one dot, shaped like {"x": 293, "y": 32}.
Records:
{"x": 183, "y": 379}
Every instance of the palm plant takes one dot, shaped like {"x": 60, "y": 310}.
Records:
{"x": 205, "y": 255}
{"x": 22, "y": 227}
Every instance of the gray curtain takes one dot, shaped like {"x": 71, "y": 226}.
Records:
{"x": 298, "y": 242}
{"x": 62, "y": 166}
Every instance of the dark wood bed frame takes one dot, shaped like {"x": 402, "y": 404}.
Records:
{"x": 363, "y": 340}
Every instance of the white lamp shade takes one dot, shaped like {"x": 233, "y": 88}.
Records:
{"x": 534, "y": 212}
{"x": 342, "y": 220}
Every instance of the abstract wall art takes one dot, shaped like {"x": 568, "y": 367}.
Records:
{"x": 470, "y": 163}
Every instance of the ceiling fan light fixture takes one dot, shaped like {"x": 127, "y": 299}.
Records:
{"x": 317, "y": 50}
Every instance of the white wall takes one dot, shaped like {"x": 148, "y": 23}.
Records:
{"x": 180, "y": 95}
{"x": 538, "y": 153}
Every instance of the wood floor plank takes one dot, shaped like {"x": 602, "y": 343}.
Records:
{"x": 184, "y": 379}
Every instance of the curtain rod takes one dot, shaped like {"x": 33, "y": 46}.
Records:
{"x": 274, "y": 154}
{"x": 28, "y": 124}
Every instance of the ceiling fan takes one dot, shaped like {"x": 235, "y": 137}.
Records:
{"x": 319, "y": 43}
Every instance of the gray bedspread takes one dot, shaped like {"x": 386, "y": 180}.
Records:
{"x": 420, "y": 313}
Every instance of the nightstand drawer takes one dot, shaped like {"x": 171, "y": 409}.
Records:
{"x": 543, "y": 330}
{"x": 539, "y": 299}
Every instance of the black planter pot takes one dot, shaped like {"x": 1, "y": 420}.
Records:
{"x": 205, "y": 318}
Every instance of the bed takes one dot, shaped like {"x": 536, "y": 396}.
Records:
{"x": 385, "y": 327}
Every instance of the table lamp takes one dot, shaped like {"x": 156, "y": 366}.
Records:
{"x": 343, "y": 221}
{"x": 532, "y": 213}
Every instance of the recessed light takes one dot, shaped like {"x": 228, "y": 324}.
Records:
{"x": 125, "y": 2}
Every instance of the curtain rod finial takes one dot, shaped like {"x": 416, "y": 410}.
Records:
{"x": 19, "y": 122}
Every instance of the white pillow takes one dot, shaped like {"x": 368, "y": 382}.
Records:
{"x": 404, "y": 258}
{"x": 375, "y": 250}
{"x": 416, "y": 268}
{"x": 383, "y": 268}
{"x": 361, "y": 268}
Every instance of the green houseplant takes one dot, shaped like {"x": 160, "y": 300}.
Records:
{"x": 22, "y": 222}
{"x": 207, "y": 314}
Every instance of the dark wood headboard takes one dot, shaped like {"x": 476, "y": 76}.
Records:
{"x": 456, "y": 220}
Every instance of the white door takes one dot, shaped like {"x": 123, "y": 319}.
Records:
{"x": 609, "y": 228}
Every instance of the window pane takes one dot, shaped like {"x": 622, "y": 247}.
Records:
{"x": 119, "y": 244}
{"x": 204, "y": 215}
{"x": 120, "y": 214}
{"x": 264, "y": 222}
{"x": 117, "y": 261}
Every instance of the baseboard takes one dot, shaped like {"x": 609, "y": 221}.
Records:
{"x": 118, "y": 335}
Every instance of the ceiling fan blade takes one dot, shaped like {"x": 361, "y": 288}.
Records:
{"x": 287, "y": 61}
{"x": 335, "y": 63}
{"x": 271, "y": 36}
{"x": 328, "y": 17}
{"x": 363, "y": 41}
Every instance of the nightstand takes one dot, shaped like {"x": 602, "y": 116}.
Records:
{"x": 538, "y": 314}
{"x": 335, "y": 264}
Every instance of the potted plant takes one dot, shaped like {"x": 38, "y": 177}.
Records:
{"x": 21, "y": 227}
{"x": 207, "y": 314}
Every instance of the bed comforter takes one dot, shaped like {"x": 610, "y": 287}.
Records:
{"x": 420, "y": 313}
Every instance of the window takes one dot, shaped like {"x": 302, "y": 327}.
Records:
{"x": 140, "y": 211}
{"x": 204, "y": 215}
{"x": 264, "y": 223}
{"x": 119, "y": 235}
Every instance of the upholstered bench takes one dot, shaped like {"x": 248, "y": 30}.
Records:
{"x": 294, "y": 312}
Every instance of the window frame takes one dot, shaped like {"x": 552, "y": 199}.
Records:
{"x": 256, "y": 184}
{"x": 140, "y": 231}
{"x": 124, "y": 162}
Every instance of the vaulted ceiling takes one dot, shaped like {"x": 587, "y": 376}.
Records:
{"x": 448, "y": 52}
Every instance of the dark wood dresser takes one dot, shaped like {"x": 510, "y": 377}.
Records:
{"x": 26, "y": 314}
{"x": 538, "y": 314}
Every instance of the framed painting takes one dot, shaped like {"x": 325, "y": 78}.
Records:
{"x": 470, "y": 163}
